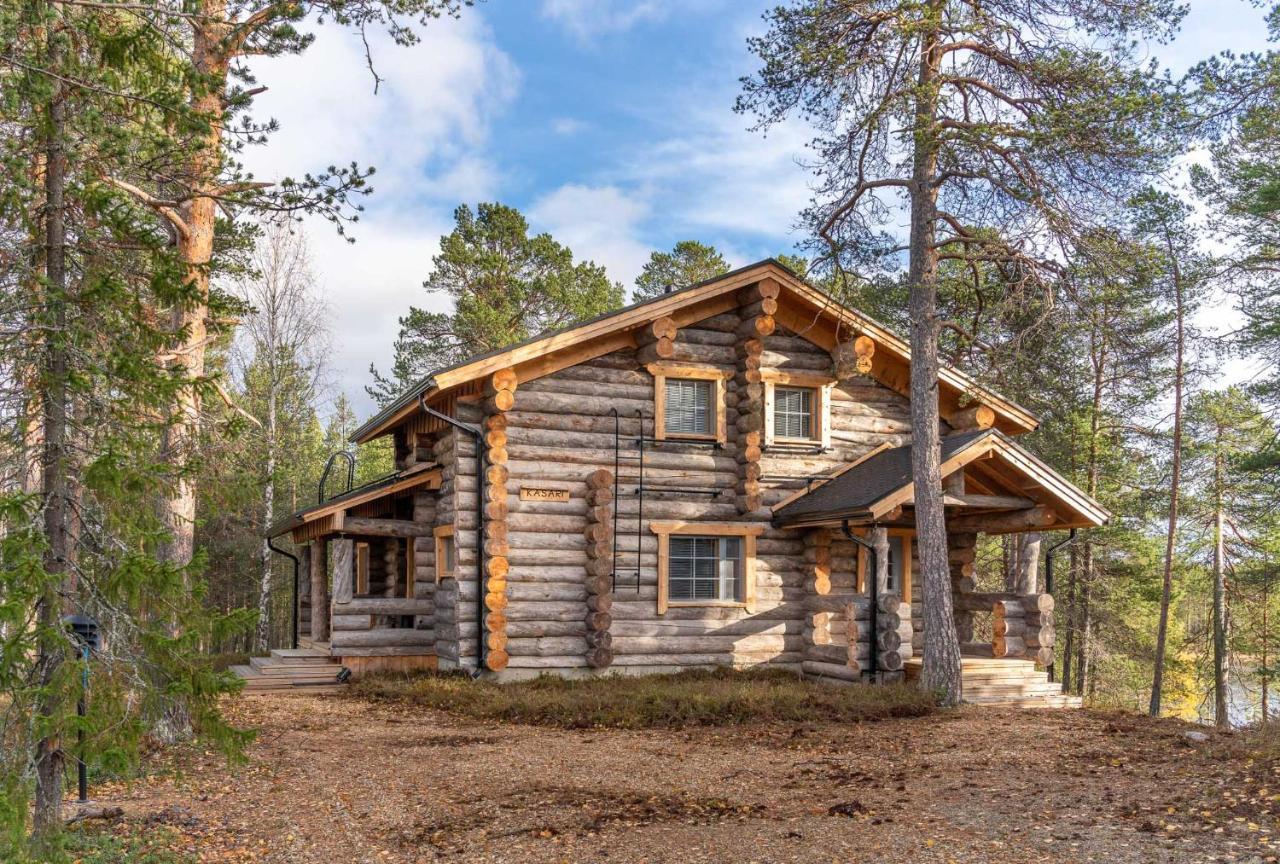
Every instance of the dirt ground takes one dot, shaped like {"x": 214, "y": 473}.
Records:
{"x": 334, "y": 779}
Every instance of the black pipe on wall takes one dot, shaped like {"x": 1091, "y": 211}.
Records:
{"x": 481, "y": 467}
{"x": 271, "y": 544}
{"x": 873, "y": 654}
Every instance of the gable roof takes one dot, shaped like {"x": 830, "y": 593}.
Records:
{"x": 881, "y": 482}
{"x": 811, "y": 312}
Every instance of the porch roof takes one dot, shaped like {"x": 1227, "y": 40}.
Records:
{"x": 326, "y": 516}
{"x": 1006, "y": 489}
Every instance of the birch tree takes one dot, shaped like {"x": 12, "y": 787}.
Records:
{"x": 999, "y": 130}
{"x": 281, "y": 351}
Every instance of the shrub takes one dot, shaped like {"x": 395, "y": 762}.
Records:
{"x": 717, "y": 697}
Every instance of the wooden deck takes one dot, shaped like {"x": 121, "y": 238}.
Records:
{"x": 1007, "y": 682}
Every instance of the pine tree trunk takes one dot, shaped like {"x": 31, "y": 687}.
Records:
{"x": 941, "y": 666}
{"x": 1266, "y": 670}
{"x": 268, "y": 514}
{"x": 1221, "y": 717}
{"x": 195, "y": 246}
{"x": 1171, "y": 537}
{"x": 47, "y": 813}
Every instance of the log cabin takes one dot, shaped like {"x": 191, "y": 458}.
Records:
{"x": 717, "y": 476}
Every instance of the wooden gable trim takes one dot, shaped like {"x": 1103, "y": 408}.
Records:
{"x": 820, "y": 317}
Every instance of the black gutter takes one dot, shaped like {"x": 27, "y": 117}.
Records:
{"x": 481, "y": 459}
{"x": 873, "y": 655}
{"x": 271, "y": 544}
{"x": 1048, "y": 575}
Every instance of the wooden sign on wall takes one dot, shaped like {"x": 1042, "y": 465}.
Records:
{"x": 533, "y": 493}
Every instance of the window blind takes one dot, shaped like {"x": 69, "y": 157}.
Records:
{"x": 792, "y": 412}
{"x": 703, "y": 568}
{"x": 688, "y": 406}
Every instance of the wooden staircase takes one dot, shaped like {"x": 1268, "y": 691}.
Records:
{"x": 293, "y": 670}
{"x": 1006, "y": 682}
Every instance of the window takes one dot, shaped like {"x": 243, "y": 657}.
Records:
{"x": 793, "y": 412}
{"x": 362, "y": 568}
{"x": 689, "y": 409}
{"x": 688, "y": 401}
{"x": 797, "y": 407}
{"x": 894, "y": 579}
{"x": 446, "y": 553}
{"x": 706, "y": 563}
{"x": 705, "y": 568}
{"x": 898, "y": 579}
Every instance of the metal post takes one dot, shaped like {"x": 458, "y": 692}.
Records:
{"x": 1048, "y": 577}
{"x": 81, "y": 710}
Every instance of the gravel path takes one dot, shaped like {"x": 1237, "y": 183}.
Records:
{"x": 335, "y": 779}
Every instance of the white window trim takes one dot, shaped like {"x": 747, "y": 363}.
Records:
{"x": 661, "y": 372}
{"x": 747, "y": 532}
{"x": 820, "y": 385}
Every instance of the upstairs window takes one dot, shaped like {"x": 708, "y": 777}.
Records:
{"x": 689, "y": 407}
{"x": 793, "y": 413}
{"x": 705, "y": 568}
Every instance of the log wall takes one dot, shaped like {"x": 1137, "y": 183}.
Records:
{"x": 551, "y": 599}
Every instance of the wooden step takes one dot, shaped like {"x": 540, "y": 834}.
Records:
{"x": 255, "y": 681}
{"x": 300, "y": 655}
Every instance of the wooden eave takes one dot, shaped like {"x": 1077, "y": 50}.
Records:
{"x": 802, "y": 308}
{"x": 996, "y": 465}
{"x": 327, "y": 516}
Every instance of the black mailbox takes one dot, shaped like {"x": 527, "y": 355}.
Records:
{"x": 85, "y": 631}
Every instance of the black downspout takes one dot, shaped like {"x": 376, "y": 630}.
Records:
{"x": 1048, "y": 576}
{"x": 481, "y": 468}
{"x": 271, "y": 544}
{"x": 873, "y": 656}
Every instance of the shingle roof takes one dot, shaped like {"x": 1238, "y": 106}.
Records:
{"x": 868, "y": 482}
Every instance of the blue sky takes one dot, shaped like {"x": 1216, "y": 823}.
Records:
{"x": 609, "y": 123}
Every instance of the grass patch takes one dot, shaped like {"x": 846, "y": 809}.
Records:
{"x": 720, "y": 697}
{"x": 156, "y": 845}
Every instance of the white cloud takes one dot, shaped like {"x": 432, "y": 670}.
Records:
{"x": 587, "y": 18}
{"x": 601, "y": 223}
{"x": 426, "y": 131}
{"x": 567, "y": 126}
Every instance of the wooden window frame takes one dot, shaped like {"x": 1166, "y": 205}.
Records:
{"x": 410, "y": 566}
{"x": 908, "y": 552}
{"x": 362, "y": 553}
{"x": 718, "y": 375}
{"x": 747, "y": 532}
{"x": 820, "y": 385}
{"x": 444, "y": 534}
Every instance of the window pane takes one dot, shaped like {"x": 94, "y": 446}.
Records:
{"x": 704, "y": 568}
{"x": 792, "y": 412}
{"x": 894, "y": 580}
{"x": 688, "y": 407}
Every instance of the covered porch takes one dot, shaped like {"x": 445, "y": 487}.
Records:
{"x": 366, "y": 568}
{"x": 862, "y": 625}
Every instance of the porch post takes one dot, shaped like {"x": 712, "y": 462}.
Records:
{"x": 343, "y": 566}
{"x": 319, "y": 591}
{"x": 1029, "y": 564}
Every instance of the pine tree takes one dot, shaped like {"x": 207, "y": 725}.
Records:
{"x": 688, "y": 263}
{"x": 505, "y": 285}
{"x": 1004, "y": 130}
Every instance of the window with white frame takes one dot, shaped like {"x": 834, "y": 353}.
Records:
{"x": 793, "y": 409}
{"x": 897, "y": 548}
{"x": 689, "y": 407}
{"x": 704, "y": 569}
